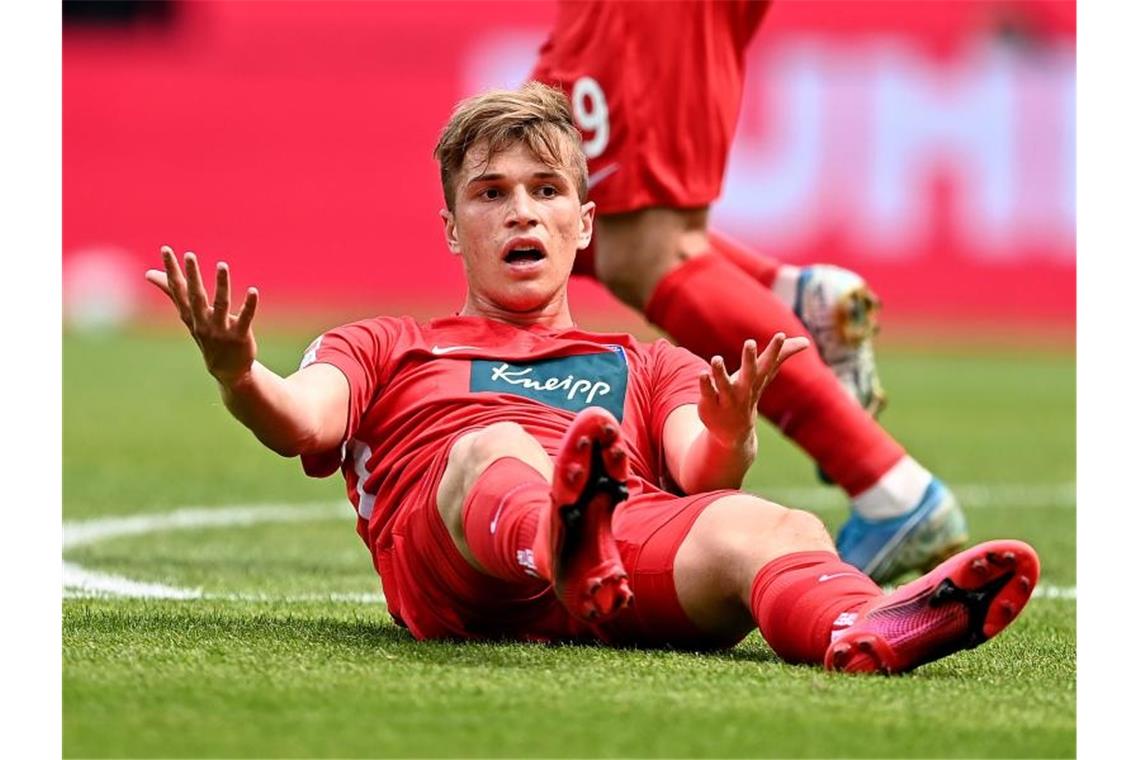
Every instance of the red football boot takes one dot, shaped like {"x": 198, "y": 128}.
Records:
{"x": 574, "y": 547}
{"x": 963, "y": 602}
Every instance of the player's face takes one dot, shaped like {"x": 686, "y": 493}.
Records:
{"x": 518, "y": 225}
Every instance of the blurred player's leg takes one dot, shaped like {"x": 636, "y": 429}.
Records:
{"x": 840, "y": 313}
{"x": 663, "y": 262}
{"x": 835, "y": 305}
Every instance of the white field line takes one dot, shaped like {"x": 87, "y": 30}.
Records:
{"x": 114, "y": 586}
{"x": 82, "y": 582}
{"x": 1049, "y": 591}
{"x": 103, "y": 528}
{"x": 79, "y": 581}
{"x": 970, "y": 495}
{"x": 1044, "y": 591}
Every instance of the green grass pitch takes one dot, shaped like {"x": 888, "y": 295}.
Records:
{"x": 286, "y": 651}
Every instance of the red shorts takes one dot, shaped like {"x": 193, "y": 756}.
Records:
{"x": 434, "y": 592}
{"x": 656, "y": 90}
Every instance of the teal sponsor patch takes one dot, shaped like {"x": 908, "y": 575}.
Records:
{"x": 568, "y": 382}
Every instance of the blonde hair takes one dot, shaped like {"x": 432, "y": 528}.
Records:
{"x": 535, "y": 115}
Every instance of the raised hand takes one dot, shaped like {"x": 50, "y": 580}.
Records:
{"x": 225, "y": 340}
{"x": 727, "y": 405}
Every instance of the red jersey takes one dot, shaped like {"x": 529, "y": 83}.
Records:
{"x": 655, "y": 89}
{"x": 415, "y": 387}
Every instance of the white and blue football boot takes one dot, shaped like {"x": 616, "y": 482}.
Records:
{"x": 842, "y": 315}
{"x": 917, "y": 540}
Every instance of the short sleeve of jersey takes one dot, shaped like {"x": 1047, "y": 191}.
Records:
{"x": 361, "y": 351}
{"x": 676, "y": 373}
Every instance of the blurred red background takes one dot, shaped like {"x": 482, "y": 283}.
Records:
{"x": 929, "y": 146}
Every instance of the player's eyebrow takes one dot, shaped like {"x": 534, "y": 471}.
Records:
{"x": 496, "y": 176}
{"x": 485, "y": 177}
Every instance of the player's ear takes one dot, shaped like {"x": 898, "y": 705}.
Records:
{"x": 586, "y": 225}
{"x": 449, "y": 230}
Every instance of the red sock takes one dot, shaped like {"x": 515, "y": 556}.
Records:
{"x": 797, "y": 601}
{"x": 711, "y": 307}
{"x": 500, "y": 517}
{"x": 758, "y": 266}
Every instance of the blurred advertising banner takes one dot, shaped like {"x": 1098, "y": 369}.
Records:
{"x": 929, "y": 146}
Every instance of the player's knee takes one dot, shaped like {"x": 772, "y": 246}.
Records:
{"x": 798, "y": 530}
{"x": 474, "y": 453}
{"x": 733, "y": 525}
{"x": 746, "y": 532}
{"x": 489, "y": 443}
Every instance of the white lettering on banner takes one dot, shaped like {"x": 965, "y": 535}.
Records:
{"x": 772, "y": 182}
{"x": 572, "y": 387}
{"x": 962, "y": 119}
{"x": 847, "y": 137}
{"x": 850, "y": 137}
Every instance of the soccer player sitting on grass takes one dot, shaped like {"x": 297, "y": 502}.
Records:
{"x": 517, "y": 477}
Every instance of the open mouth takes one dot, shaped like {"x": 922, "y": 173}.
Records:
{"x": 524, "y": 251}
{"x": 524, "y": 254}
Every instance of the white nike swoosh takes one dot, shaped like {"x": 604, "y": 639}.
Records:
{"x": 495, "y": 519}
{"x": 440, "y": 350}
{"x": 826, "y": 577}
{"x": 601, "y": 174}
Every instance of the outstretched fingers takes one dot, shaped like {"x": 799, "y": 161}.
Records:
{"x": 720, "y": 379}
{"x": 196, "y": 290}
{"x": 159, "y": 280}
{"x": 221, "y": 295}
{"x": 171, "y": 282}
{"x": 778, "y": 350}
{"x": 248, "y": 309}
{"x": 174, "y": 276}
{"x": 769, "y": 361}
{"x": 707, "y": 388}
{"x": 791, "y": 347}
{"x": 225, "y": 340}
{"x": 749, "y": 366}
{"x": 188, "y": 293}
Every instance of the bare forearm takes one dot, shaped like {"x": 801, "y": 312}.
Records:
{"x": 274, "y": 411}
{"x": 710, "y": 464}
{"x": 303, "y": 413}
{"x": 711, "y": 444}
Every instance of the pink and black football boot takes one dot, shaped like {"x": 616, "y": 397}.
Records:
{"x": 575, "y": 547}
{"x": 966, "y": 600}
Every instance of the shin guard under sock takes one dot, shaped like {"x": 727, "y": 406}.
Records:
{"x": 500, "y": 517}
{"x": 711, "y": 307}
{"x": 797, "y": 601}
